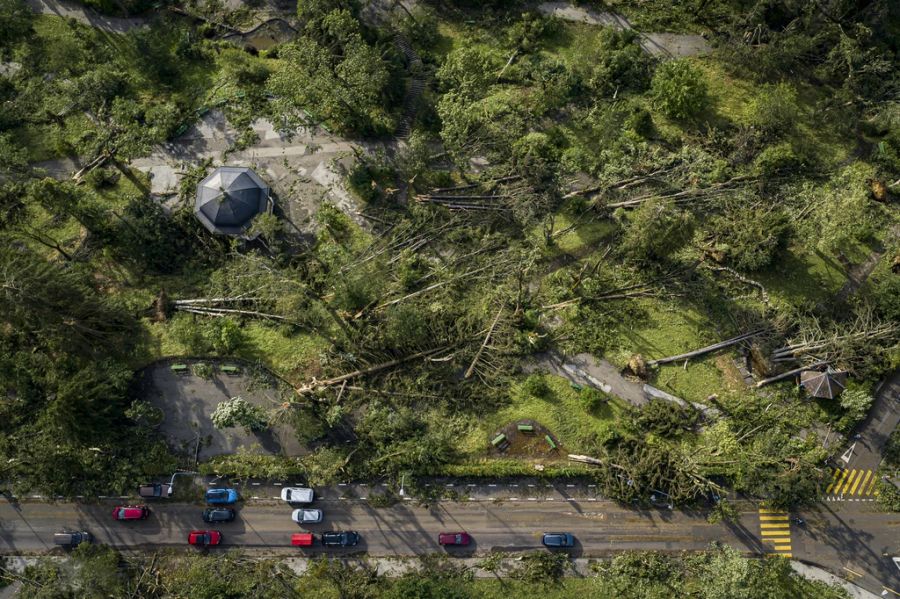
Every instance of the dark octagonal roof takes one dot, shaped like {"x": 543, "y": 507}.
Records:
{"x": 229, "y": 198}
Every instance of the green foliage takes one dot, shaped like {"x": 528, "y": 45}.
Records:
{"x": 773, "y": 110}
{"x": 621, "y": 64}
{"x": 855, "y": 401}
{"x": 536, "y": 386}
{"x": 778, "y": 159}
{"x": 723, "y": 511}
{"x": 891, "y": 451}
{"x": 333, "y": 72}
{"x": 537, "y": 156}
{"x": 541, "y": 568}
{"x": 888, "y": 495}
{"x": 656, "y": 231}
{"x": 592, "y": 399}
{"x": 750, "y": 237}
{"x": 15, "y": 23}
{"x": 665, "y": 418}
{"x": 680, "y": 90}
{"x": 237, "y": 411}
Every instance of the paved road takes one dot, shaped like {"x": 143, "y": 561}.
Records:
{"x": 847, "y": 539}
{"x": 878, "y": 425}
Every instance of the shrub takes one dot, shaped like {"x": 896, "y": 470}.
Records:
{"x": 679, "y": 90}
{"x": 774, "y": 110}
{"x": 892, "y": 449}
{"x": 856, "y": 401}
{"x": 749, "y": 237}
{"x": 620, "y": 63}
{"x": 592, "y": 399}
{"x": 888, "y": 496}
{"x": 536, "y": 386}
{"x": 778, "y": 159}
{"x": 203, "y": 370}
{"x": 657, "y": 229}
{"x": 665, "y": 418}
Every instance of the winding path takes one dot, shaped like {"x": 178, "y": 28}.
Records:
{"x": 667, "y": 45}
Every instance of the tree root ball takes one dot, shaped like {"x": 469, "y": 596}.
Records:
{"x": 637, "y": 366}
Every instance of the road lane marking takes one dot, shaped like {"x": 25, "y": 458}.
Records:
{"x": 844, "y": 474}
{"x": 864, "y": 481}
{"x": 773, "y": 517}
{"x": 834, "y": 479}
{"x": 871, "y": 486}
{"x": 846, "y": 487}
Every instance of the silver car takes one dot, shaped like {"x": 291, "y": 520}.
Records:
{"x": 297, "y": 495}
{"x": 307, "y": 516}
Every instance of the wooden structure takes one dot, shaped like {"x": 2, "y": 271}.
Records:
{"x": 826, "y": 384}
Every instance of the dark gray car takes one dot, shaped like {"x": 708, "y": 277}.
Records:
{"x": 218, "y": 514}
{"x": 335, "y": 538}
{"x": 72, "y": 539}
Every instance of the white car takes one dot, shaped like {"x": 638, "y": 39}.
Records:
{"x": 297, "y": 495}
{"x": 307, "y": 516}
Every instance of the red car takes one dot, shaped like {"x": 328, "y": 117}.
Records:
{"x": 131, "y": 512}
{"x": 203, "y": 538}
{"x": 454, "y": 538}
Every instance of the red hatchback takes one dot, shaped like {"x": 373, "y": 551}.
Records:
{"x": 454, "y": 538}
{"x": 202, "y": 538}
{"x": 131, "y": 512}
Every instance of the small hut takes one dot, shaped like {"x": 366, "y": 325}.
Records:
{"x": 229, "y": 199}
{"x": 826, "y": 384}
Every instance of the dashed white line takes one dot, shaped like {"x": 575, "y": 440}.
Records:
{"x": 471, "y": 485}
{"x": 254, "y": 497}
{"x": 570, "y": 486}
{"x": 363, "y": 497}
{"x": 492, "y": 485}
{"x": 513, "y": 498}
{"x": 449, "y": 484}
{"x": 342, "y": 484}
{"x": 278, "y": 484}
{"x": 532, "y": 499}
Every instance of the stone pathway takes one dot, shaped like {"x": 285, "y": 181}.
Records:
{"x": 665, "y": 45}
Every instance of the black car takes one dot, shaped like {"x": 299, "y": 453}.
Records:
{"x": 335, "y": 538}
{"x": 218, "y": 514}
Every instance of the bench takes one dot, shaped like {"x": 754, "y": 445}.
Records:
{"x": 179, "y": 368}
{"x": 526, "y": 428}
{"x": 230, "y": 369}
{"x": 498, "y": 440}
{"x": 550, "y": 442}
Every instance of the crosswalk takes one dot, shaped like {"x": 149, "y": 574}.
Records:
{"x": 851, "y": 485}
{"x": 775, "y": 531}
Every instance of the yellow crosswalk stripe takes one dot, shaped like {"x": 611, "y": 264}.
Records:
{"x": 843, "y": 490}
{"x": 863, "y": 480}
{"x": 787, "y": 555}
{"x": 840, "y": 482}
{"x": 765, "y": 525}
{"x": 764, "y": 510}
{"x": 775, "y": 533}
{"x": 773, "y": 518}
{"x": 782, "y": 547}
{"x": 871, "y": 486}
{"x": 834, "y": 478}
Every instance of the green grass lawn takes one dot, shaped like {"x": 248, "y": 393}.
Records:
{"x": 562, "y": 413}
{"x": 802, "y": 277}
{"x": 671, "y": 329}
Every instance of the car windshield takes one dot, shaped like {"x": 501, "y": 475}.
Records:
{"x": 122, "y": 512}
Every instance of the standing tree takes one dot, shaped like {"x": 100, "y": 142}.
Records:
{"x": 679, "y": 89}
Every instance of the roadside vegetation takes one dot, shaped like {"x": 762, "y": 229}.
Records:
{"x": 719, "y": 573}
{"x": 561, "y": 190}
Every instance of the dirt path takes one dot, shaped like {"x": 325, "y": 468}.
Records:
{"x": 667, "y": 45}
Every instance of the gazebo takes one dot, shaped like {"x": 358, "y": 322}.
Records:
{"x": 229, "y": 199}
{"x": 826, "y": 384}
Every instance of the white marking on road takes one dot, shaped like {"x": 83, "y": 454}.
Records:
{"x": 549, "y": 499}
{"x": 532, "y": 499}
{"x": 363, "y": 484}
{"x": 254, "y": 497}
{"x": 570, "y": 486}
{"x": 513, "y": 498}
{"x": 449, "y": 484}
{"x": 514, "y": 486}
{"x": 255, "y": 484}
{"x": 592, "y": 499}
{"x": 363, "y": 497}
{"x": 470, "y": 485}
{"x": 591, "y": 486}
{"x": 342, "y": 484}
{"x": 98, "y": 496}
{"x": 488, "y": 485}
{"x": 530, "y": 485}
{"x": 276, "y": 498}
{"x": 472, "y": 499}
{"x": 278, "y": 484}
